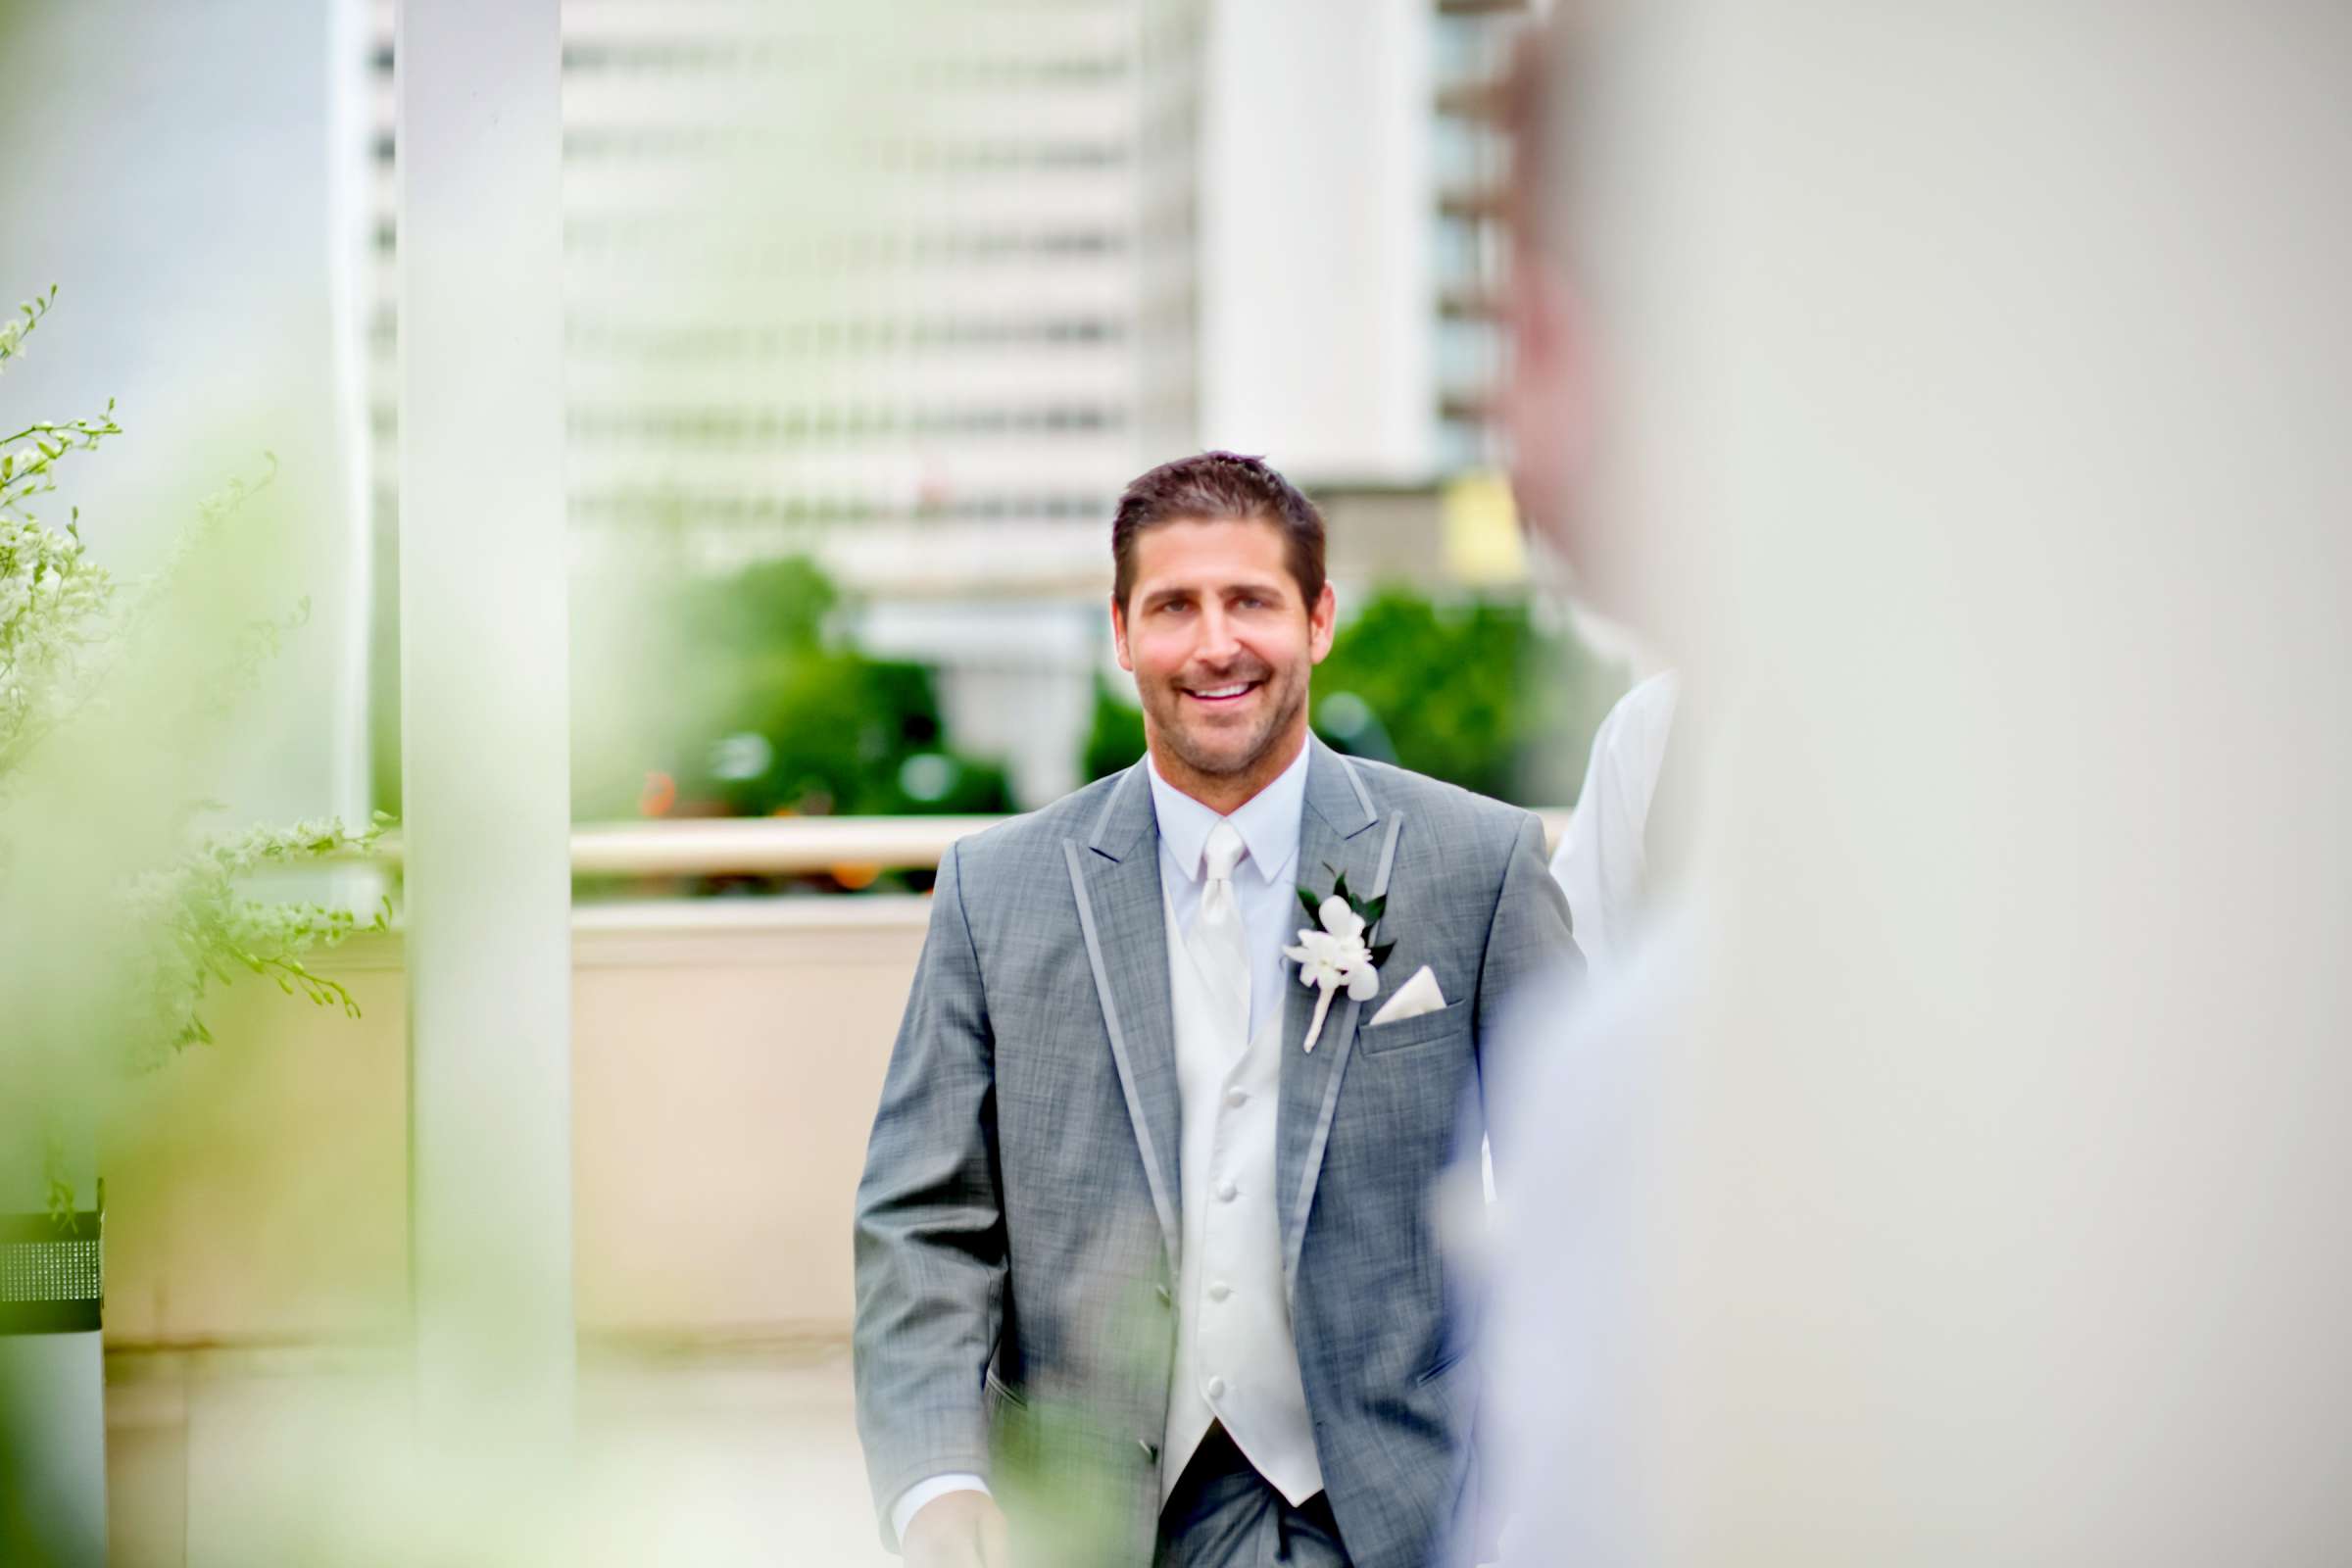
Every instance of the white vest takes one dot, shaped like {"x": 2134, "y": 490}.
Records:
{"x": 1236, "y": 1361}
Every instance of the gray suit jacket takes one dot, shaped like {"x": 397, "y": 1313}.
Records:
{"x": 1016, "y": 1230}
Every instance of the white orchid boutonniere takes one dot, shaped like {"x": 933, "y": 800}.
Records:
{"x": 1337, "y": 955}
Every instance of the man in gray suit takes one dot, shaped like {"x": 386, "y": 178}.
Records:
{"x": 1146, "y": 1265}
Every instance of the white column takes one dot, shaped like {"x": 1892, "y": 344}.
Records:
{"x": 483, "y": 641}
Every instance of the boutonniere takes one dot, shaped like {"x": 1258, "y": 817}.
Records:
{"x": 1337, "y": 954}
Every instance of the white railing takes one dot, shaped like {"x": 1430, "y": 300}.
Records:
{"x": 774, "y": 846}
{"x": 768, "y": 844}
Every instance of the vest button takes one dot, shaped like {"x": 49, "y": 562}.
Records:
{"x": 1227, "y": 1192}
{"x": 1219, "y": 1290}
{"x": 1236, "y": 1096}
{"x": 1216, "y": 1388}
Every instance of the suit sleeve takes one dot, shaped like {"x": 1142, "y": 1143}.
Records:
{"x": 1532, "y": 968}
{"x": 930, "y": 1226}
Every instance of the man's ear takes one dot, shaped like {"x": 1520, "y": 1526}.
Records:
{"x": 1322, "y": 622}
{"x": 1118, "y": 633}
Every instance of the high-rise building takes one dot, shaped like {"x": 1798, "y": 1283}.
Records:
{"x": 861, "y": 279}
{"x": 915, "y": 288}
{"x": 1469, "y": 165}
{"x": 907, "y": 289}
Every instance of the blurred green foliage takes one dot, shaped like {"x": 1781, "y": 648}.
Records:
{"x": 746, "y": 697}
{"x": 119, "y": 916}
{"x": 760, "y": 704}
{"x": 1114, "y": 736}
{"x": 1474, "y": 693}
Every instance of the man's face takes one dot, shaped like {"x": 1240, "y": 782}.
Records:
{"x": 1221, "y": 643}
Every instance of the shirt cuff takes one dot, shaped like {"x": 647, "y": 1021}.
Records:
{"x": 912, "y": 1500}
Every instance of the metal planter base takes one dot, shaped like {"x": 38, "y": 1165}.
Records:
{"x": 51, "y": 1390}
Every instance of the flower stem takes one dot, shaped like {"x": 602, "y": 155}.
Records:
{"x": 1314, "y": 1030}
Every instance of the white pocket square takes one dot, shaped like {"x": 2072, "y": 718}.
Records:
{"x": 1415, "y": 996}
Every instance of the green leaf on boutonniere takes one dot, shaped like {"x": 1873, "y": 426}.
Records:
{"x": 1380, "y": 955}
{"x": 1368, "y": 910}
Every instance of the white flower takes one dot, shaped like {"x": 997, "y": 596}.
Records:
{"x": 1340, "y": 920}
{"x": 1328, "y": 958}
{"x": 1332, "y": 959}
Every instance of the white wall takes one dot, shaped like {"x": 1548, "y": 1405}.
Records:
{"x": 726, "y": 1062}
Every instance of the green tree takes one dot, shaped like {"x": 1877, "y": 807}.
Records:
{"x": 1472, "y": 693}
{"x": 775, "y": 709}
{"x": 1114, "y": 736}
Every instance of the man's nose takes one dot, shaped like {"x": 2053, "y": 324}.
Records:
{"x": 1217, "y": 644}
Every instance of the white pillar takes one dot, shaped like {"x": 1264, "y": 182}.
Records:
{"x": 484, "y": 725}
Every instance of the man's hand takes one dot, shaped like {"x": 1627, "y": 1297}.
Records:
{"x": 957, "y": 1530}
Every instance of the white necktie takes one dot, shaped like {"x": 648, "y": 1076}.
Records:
{"x": 1216, "y": 938}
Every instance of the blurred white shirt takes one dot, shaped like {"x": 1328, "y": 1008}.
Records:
{"x": 1601, "y": 857}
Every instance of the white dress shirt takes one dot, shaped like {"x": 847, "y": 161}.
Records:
{"x": 1265, "y": 886}
{"x": 1602, "y": 857}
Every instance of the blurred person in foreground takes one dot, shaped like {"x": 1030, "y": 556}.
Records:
{"x": 1952, "y": 1174}
{"x": 1144, "y": 1243}
{"x": 1608, "y": 861}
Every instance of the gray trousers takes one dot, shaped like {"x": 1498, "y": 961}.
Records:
{"x": 1223, "y": 1514}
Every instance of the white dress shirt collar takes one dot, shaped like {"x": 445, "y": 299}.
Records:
{"x": 1268, "y": 821}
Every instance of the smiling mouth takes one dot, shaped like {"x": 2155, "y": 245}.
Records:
{"x": 1219, "y": 696}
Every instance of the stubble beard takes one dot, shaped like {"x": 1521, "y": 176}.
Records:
{"x": 1229, "y": 761}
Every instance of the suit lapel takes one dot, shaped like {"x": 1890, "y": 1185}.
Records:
{"x": 1115, "y": 876}
{"x": 1332, "y": 835}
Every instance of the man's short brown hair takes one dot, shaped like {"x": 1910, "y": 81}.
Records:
{"x": 1211, "y": 486}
